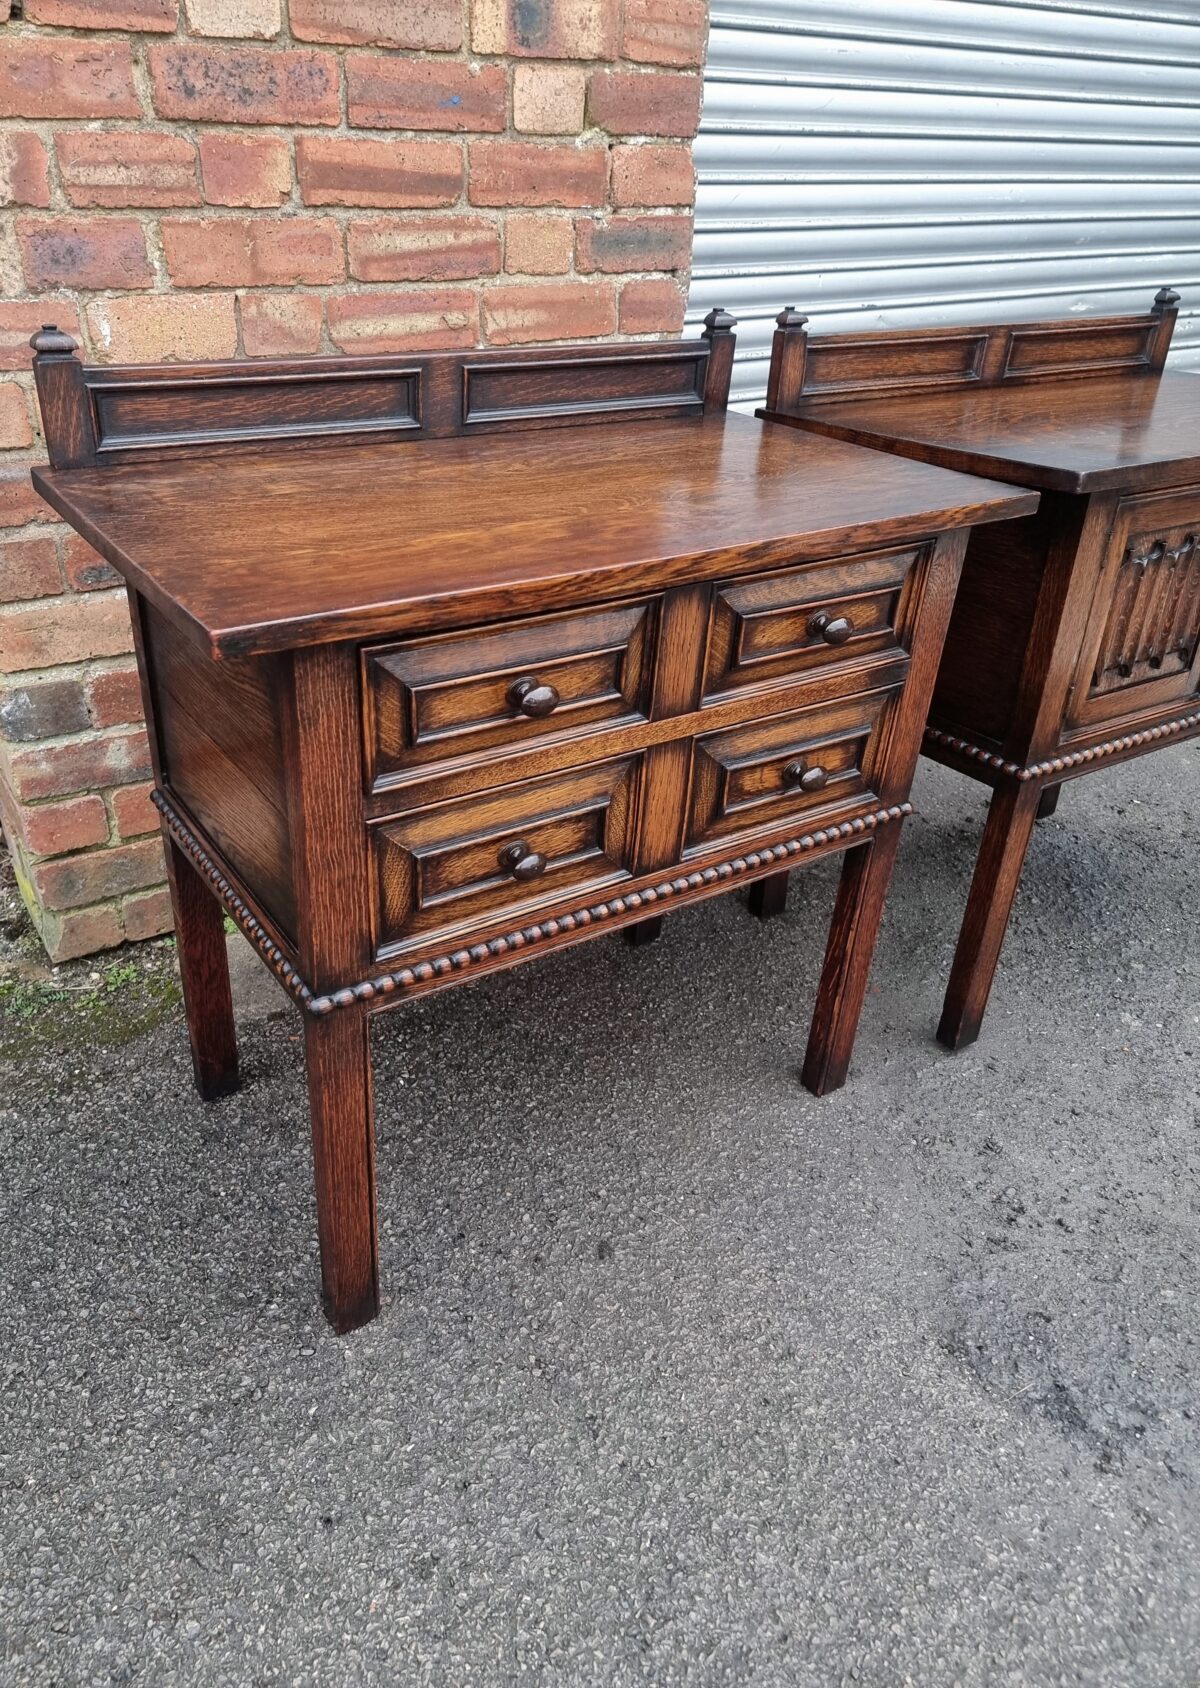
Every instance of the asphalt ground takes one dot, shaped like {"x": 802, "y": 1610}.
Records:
{"x": 682, "y": 1376}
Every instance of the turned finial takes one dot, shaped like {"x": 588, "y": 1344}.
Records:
{"x": 719, "y": 321}
{"x": 790, "y": 317}
{"x": 50, "y": 341}
{"x": 1165, "y": 300}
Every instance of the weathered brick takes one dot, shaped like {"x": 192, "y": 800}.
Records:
{"x": 548, "y": 99}
{"x": 648, "y": 102}
{"x": 19, "y": 318}
{"x": 44, "y": 76}
{"x": 653, "y": 175}
{"x": 441, "y": 248}
{"x": 621, "y": 244}
{"x": 253, "y": 251}
{"x": 51, "y": 829}
{"x": 416, "y": 174}
{"x": 28, "y": 569}
{"x": 517, "y": 314}
{"x": 24, "y": 169}
{"x": 280, "y": 325}
{"x": 235, "y": 19}
{"x": 402, "y": 93}
{"x": 42, "y": 709}
{"x": 527, "y": 174}
{"x": 538, "y": 243}
{"x": 80, "y": 932}
{"x": 651, "y": 306}
{"x": 244, "y": 84}
{"x": 84, "y": 568}
{"x": 18, "y": 501}
{"x": 665, "y": 31}
{"x": 432, "y": 319}
{"x": 87, "y": 764}
{"x": 252, "y": 170}
{"x": 133, "y": 812}
{"x": 123, "y": 167}
{"x": 546, "y": 29}
{"x": 114, "y": 696}
{"x": 147, "y": 914}
{"x": 84, "y": 252}
{"x": 52, "y": 631}
{"x": 164, "y": 327}
{"x": 15, "y": 428}
{"x": 75, "y": 881}
{"x": 160, "y": 15}
{"x": 435, "y": 25}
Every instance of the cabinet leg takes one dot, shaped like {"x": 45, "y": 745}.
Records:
{"x": 993, "y": 889}
{"x": 645, "y": 932}
{"x": 1048, "y": 801}
{"x": 768, "y": 897}
{"x": 338, "y": 1053}
{"x": 852, "y": 933}
{"x": 204, "y": 974}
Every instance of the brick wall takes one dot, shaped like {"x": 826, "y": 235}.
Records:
{"x": 261, "y": 178}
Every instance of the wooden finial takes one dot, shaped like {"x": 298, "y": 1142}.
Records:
{"x": 719, "y": 321}
{"x": 50, "y": 341}
{"x": 790, "y": 317}
{"x": 1165, "y": 299}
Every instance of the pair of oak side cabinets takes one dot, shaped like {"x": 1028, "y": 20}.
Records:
{"x": 452, "y": 660}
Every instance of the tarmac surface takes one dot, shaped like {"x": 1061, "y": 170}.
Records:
{"x": 683, "y": 1376}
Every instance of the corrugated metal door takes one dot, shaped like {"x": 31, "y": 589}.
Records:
{"x": 879, "y": 163}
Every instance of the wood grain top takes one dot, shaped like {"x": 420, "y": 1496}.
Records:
{"x": 259, "y": 553}
{"x": 1071, "y": 436}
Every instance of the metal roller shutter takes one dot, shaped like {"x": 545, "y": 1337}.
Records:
{"x": 881, "y": 163}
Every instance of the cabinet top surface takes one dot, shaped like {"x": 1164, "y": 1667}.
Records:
{"x": 1075, "y": 436}
{"x": 263, "y": 552}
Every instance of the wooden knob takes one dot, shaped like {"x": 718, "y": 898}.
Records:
{"x": 834, "y": 631}
{"x": 531, "y": 698}
{"x": 522, "y": 862}
{"x": 798, "y": 776}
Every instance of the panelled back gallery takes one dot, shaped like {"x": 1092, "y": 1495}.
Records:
{"x": 453, "y": 660}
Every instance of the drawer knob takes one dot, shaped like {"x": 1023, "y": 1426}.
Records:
{"x": 531, "y": 698}
{"x": 834, "y": 630}
{"x": 798, "y": 776}
{"x": 522, "y": 862}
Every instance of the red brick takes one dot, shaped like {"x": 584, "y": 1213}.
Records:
{"x": 651, "y": 307}
{"x": 280, "y": 325}
{"x": 244, "y": 84}
{"x": 361, "y": 172}
{"x": 526, "y": 174}
{"x": 24, "y": 169}
{"x": 621, "y": 244}
{"x": 78, "y": 880}
{"x": 434, "y": 319}
{"x": 122, "y": 167}
{"x": 401, "y": 93}
{"x": 164, "y": 327}
{"x": 253, "y": 251}
{"x": 546, "y": 29}
{"x": 665, "y": 31}
{"x": 114, "y": 697}
{"x": 22, "y": 317}
{"x": 49, "y": 77}
{"x": 653, "y": 175}
{"x": 538, "y": 243}
{"x": 78, "y": 252}
{"x": 85, "y": 569}
{"x": 650, "y": 102}
{"x": 435, "y": 25}
{"x": 28, "y": 569}
{"x": 245, "y": 169}
{"x": 519, "y": 314}
{"x": 160, "y": 15}
{"x": 55, "y": 770}
{"x": 82, "y": 932}
{"x": 442, "y": 248}
{"x": 54, "y": 631}
{"x": 147, "y": 915}
{"x": 18, "y": 501}
{"x": 15, "y": 429}
{"x": 51, "y": 829}
{"x": 42, "y": 709}
{"x": 133, "y": 811}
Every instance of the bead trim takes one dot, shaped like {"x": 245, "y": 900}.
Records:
{"x": 1059, "y": 764}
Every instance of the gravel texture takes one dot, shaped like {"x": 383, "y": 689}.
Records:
{"x": 683, "y": 1376}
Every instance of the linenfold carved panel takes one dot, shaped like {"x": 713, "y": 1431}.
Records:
{"x": 1153, "y": 625}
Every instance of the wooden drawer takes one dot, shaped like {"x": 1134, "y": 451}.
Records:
{"x": 457, "y": 868}
{"x": 430, "y": 701}
{"x": 1142, "y": 645}
{"x": 767, "y": 630}
{"x": 764, "y": 777}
